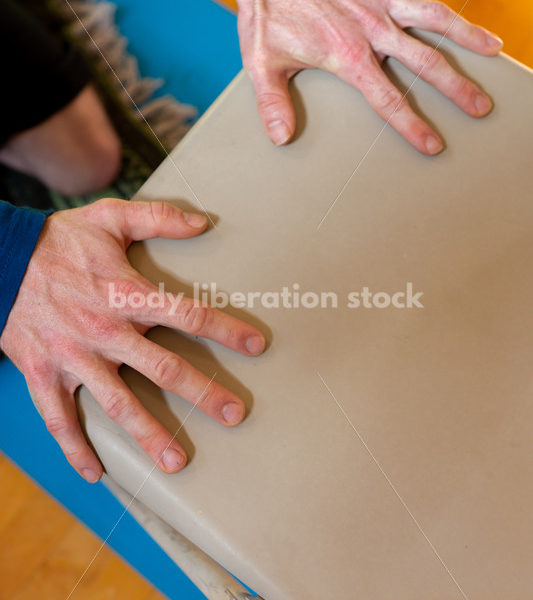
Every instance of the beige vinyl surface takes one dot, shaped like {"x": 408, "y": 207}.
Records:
{"x": 423, "y": 488}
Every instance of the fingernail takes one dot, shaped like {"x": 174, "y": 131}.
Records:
{"x": 433, "y": 144}
{"x": 255, "y": 344}
{"x": 483, "y": 104}
{"x": 90, "y": 475}
{"x": 279, "y": 132}
{"x": 172, "y": 459}
{"x": 194, "y": 219}
{"x": 232, "y": 413}
{"x": 493, "y": 41}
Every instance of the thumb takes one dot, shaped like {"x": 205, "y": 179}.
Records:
{"x": 275, "y": 106}
{"x": 145, "y": 220}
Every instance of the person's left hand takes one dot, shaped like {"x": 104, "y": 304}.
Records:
{"x": 82, "y": 311}
{"x": 351, "y": 38}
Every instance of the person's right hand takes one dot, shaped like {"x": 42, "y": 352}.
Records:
{"x": 63, "y": 330}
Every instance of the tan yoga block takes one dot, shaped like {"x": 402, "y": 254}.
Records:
{"x": 387, "y": 453}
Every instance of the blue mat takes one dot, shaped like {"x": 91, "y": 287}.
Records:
{"x": 193, "y": 44}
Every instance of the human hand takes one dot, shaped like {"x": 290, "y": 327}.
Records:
{"x": 351, "y": 38}
{"x": 63, "y": 331}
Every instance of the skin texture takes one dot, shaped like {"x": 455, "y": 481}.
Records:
{"x": 351, "y": 38}
{"x": 63, "y": 331}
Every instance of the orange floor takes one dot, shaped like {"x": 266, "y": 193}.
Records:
{"x": 44, "y": 550}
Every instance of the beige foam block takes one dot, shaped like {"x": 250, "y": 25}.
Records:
{"x": 387, "y": 453}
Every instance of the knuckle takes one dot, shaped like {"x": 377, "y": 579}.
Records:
{"x": 126, "y": 286}
{"x": 389, "y": 101}
{"x": 57, "y": 426}
{"x": 195, "y": 318}
{"x": 118, "y": 406}
{"x": 462, "y": 87}
{"x": 105, "y": 208}
{"x": 151, "y": 440}
{"x": 128, "y": 292}
{"x": 74, "y": 455}
{"x": 429, "y": 58}
{"x": 102, "y": 328}
{"x": 168, "y": 370}
{"x": 350, "y": 52}
{"x": 437, "y": 11}
{"x": 370, "y": 20}
{"x": 161, "y": 211}
{"x": 267, "y": 101}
